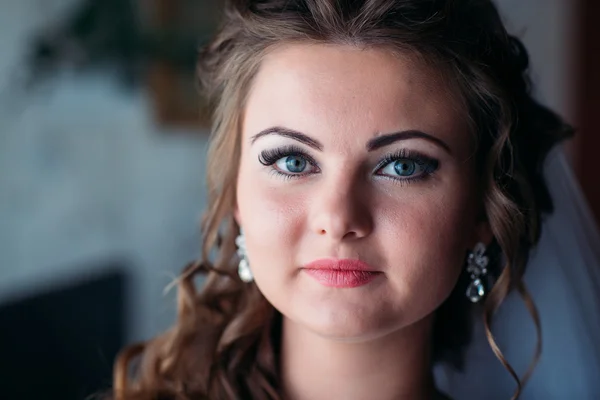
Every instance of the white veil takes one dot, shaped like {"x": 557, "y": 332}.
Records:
{"x": 563, "y": 276}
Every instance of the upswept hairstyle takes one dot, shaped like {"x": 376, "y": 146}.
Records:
{"x": 225, "y": 341}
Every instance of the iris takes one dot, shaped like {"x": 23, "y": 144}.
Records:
{"x": 295, "y": 164}
{"x": 405, "y": 167}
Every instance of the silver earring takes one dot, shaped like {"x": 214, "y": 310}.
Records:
{"x": 244, "y": 270}
{"x": 477, "y": 263}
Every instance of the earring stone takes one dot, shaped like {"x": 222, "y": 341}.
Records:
{"x": 244, "y": 271}
{"x": 477, "y": 263}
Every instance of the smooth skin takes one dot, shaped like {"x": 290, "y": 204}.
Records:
{"x": 373, "y": 162}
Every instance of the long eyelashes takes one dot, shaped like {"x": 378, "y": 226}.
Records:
{"x": 419, "y": 166}
{"x": 425, "y": 165}
{"x": 270, "y": 157}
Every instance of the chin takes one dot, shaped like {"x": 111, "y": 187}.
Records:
{"x": 348, "y": 323}
{"x": 351, "y": 333}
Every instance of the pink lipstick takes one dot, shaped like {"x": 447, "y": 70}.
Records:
{"x": 341, "y": 273}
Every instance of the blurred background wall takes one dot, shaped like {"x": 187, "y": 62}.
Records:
{"x": 101, "y": 189}
{"x": 95, "y": 198}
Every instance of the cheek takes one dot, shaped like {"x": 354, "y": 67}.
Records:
{"x": 425, "y": 239}
{"x": 266, "y": 208}
{"x": 272, "y": 218}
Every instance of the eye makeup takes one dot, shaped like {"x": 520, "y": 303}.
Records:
{"x": 402, "y": 160}
{"x": 425, "y": 165}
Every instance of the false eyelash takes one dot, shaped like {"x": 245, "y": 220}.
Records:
{"x": 428, "y": 164}
{"x": 270, "y": 157}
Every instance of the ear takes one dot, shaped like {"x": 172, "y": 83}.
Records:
{"x": 482, "y": 233}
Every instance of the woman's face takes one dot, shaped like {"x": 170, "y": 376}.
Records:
{"x": 347, "y": 155}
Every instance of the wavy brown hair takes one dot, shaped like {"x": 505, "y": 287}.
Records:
{"x": 224, "y": 344}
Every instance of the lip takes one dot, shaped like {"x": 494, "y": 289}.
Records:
{"x": 341, "y": 273}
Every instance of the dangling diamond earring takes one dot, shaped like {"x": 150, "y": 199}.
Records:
{"x": 477, "y": 263}
{"x": 244, "y": 267}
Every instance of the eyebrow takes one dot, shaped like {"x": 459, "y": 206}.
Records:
{"x": 290, "y": 133}
{"x": 372, "y": 145}
{"x": 387, "y": 139}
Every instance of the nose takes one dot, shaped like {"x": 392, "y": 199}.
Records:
{"x": 341, "y": 211}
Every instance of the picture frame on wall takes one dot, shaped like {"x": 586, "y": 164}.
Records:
{"x": 183, "y": 27}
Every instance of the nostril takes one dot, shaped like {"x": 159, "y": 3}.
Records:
{"x": 351, "y": 235}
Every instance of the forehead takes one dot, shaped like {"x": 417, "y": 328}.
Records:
{"x": 326, "y": 89}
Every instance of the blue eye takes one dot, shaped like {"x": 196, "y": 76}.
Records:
{"x": 293, "y": 164}
{"x": 407, "y": 166}
{"x": 290, "y": 161}
{"x": 401, "y": 168}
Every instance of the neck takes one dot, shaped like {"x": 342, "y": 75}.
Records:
{"x": 396, "y": 366}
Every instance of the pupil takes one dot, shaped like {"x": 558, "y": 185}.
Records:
{"x": 405, "y": 167}
{"x": 295, "y": 164}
